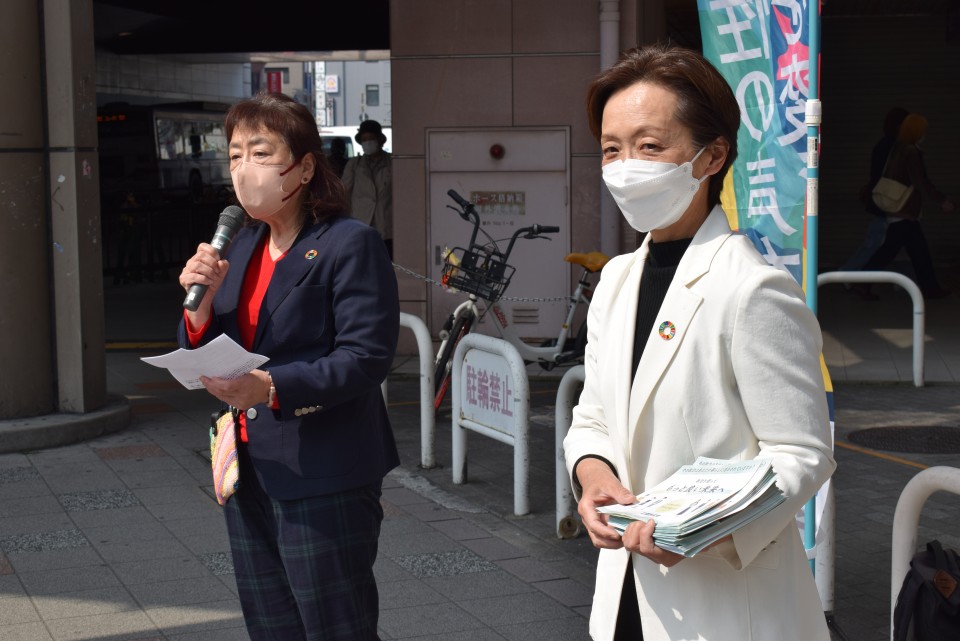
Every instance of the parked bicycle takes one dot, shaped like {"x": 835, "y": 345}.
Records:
{"x": 482, "y": 272}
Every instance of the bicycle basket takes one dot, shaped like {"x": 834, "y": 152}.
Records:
{"x": 477, "y": 271}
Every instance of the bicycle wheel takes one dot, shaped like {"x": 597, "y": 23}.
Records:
{"x": 442, "y": 374}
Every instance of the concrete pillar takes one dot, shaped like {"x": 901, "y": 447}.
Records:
{"x": 26, "y": 337}
{"x": 51, "y": 320}
{"x": 77, "y": 276}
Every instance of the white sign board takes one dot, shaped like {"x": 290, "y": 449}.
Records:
{"x": 487, "y": 391}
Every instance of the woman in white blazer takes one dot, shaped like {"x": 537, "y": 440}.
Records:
{"x": 725, "y": 364}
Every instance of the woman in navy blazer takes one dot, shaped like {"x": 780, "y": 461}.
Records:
{"x": 315, "y": 292}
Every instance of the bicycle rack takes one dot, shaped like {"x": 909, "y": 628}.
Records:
{"x": 906, "y": 520}
{"x": 568, "y": 525}
{"x": 915, "y": 294}
{"x": 428, "y": 421}
{"x": 516, "y": 435}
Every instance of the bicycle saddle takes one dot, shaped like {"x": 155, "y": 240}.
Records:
{"x": 592, "y": 262}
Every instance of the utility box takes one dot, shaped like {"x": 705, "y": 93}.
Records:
{"x": 516, "y": 177}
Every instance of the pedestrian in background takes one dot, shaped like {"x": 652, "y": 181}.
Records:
{"x": 905, "y": 164}
{"x": 877, "y": 227}
{"x": 369, "y": 182}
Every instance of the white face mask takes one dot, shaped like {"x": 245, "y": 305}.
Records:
{"x": 651, "y": 195}
{"x": 259, "y": 187}
{"x": 370, "y": 147}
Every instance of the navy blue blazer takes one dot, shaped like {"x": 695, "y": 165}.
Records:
{"x": 329, "y": 323}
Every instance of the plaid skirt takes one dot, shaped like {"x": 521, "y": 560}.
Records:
{"x": 304, "y": 568}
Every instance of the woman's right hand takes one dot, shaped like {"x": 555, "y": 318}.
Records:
{"x": 204, "y": 268}
{"x": 600, "y": 487}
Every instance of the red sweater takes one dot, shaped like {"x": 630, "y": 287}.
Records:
{"x": 255, "y": 283}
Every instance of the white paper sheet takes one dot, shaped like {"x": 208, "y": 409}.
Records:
{"x": 222, "y": 357}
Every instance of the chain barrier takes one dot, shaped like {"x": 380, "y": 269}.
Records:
{"x": 516, "y": 299}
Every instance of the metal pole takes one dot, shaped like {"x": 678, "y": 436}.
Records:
{"x": 568, "y": 526}
{"x": 813, "y": 118}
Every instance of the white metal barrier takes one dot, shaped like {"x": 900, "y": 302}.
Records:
{"x": 915, "y": 294}
{"x": 499, "y": 412}
{"x": 568, "y": 525}
{"x": 906, "y": 519}
{"x": 428, "y": 421}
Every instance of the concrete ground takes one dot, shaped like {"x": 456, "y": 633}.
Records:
{"x": 118, "y": 537}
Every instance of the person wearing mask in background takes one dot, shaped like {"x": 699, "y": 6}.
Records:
{"x": 696, "y": 347}
{"x": 905, "y": 165}
{"x": 369, "y": 182}
{"x": 877, "y": 228}
{"x": 313, "y": 290}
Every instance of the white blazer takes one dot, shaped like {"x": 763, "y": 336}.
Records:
{"x": 739, "y": 378}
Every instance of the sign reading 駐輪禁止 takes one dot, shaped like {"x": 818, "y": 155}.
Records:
{"x": 486, "y": 392}
{"x": 761, "y": 48}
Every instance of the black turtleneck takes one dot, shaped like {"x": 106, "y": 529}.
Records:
{"x": 658, "y": 273}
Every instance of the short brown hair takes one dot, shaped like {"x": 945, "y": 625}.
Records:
{"x": 705, "y": 103}
{"x": 292, "y": 122}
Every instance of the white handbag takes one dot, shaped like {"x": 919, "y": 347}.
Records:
{"x": 890, "y": 195}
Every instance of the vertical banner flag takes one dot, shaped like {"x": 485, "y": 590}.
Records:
{"x": 761, "y": 48}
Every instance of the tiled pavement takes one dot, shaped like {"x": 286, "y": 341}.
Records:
{"x": 118, "y": 537}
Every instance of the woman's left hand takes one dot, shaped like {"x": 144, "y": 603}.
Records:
{"x": 244, "y": 392}
{"x": 639, "y": 539}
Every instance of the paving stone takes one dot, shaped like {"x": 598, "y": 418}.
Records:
{"x": 404, "y": 594}
{"x": 17, "y": 610}
{"x": 566, "y": 628}
{"x": 444, "y": 563}
{"x": 416, "y": 543}
{"x": 121, "y": 452}
{"x": 460, "y": 529}
{"x": 25, "y": 489}
{"x": 25, "y": 632}
{"x": 89, "y": 577}
{"x": 185, "y": 592}
{"x": 18, "y": 474}
{"x": 207, "y": 616}
{"x": 531, "y": 570}
{"x": 494, "y": 548}
{"x": 33, "y": 523}
{"x": 98, "y": 500}
{"x": 478, "y": 585}
{"x": 55, "y": 559}
{"x": 42, "y": 541}
{"x": 439, "y": 619}
{"x": 467, "y": 635}
{"x": 5, "y": 567}
{"x": 151, "y": 571}
{"x": 386, "y": 571}
{"x": 27, "y": 506}
{"x": 101, "y": 601}
{"x": 502, "y": 611}
{"x": 122, "y": 626}
{"x": 566, "y": 591}
{"x": 226, "y": 634}
{"x": 218, "y": 563}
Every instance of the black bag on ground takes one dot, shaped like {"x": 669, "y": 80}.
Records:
{"x": 930, "y": 597}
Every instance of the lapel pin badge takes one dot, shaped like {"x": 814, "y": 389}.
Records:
{"x": 310, "y": 255}
{"x": 667, "y": 330}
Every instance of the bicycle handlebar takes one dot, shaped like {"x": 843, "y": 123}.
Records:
{"x": 460, "y": 200}
{"x": 469, "y": 213}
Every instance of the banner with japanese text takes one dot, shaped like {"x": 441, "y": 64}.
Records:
{"x": 761, "y": 48}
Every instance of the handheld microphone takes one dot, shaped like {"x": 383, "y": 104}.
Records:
{"x": 231, "y": 219}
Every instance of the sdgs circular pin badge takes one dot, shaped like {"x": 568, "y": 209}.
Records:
{"x": 667, "y": 330}
{"x": 310, "y": 255}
